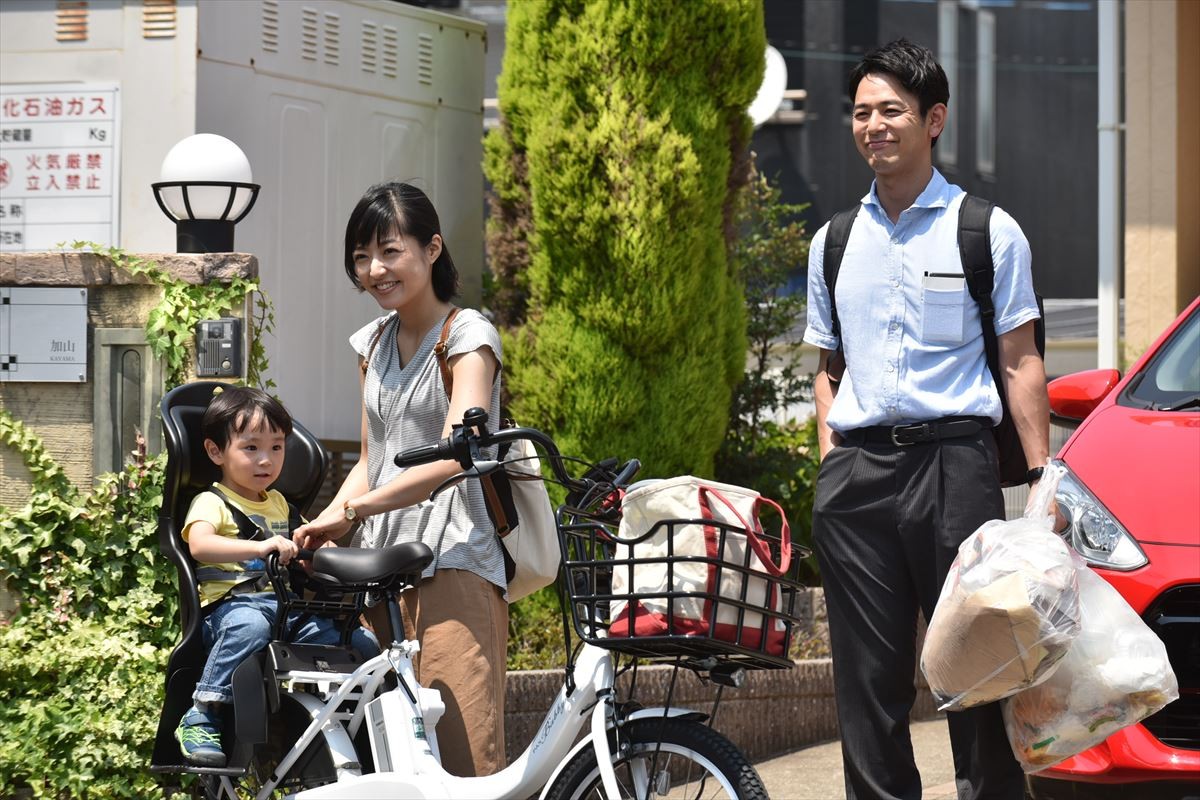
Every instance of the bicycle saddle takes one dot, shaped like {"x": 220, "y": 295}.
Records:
{"x": 353, "y": 565}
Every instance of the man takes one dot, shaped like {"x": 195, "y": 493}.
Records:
{"x": 894, "y": 502}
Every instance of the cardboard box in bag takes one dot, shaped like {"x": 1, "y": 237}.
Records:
{"x": 987, "y": 645}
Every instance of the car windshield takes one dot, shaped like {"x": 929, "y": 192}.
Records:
{"x": 1171, "y": 379}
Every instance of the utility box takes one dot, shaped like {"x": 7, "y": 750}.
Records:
{"x": 325, "y": 97}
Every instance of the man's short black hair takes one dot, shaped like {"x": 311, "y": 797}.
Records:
{"x": 911, "y": 64}
{"x": 234, "y": 407}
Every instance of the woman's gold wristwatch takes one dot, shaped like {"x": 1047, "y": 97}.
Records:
{"x": 349, "y": 511}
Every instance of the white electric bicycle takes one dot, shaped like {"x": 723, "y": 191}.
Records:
{"x": 340, "y": 728}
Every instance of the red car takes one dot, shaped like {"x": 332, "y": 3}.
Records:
{"x": 1132, "y": 495}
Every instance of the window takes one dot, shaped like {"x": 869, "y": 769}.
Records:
{"x": 947, "y": 144}
{"x": 985, "y": 93}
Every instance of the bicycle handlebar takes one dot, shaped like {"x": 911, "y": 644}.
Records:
{"x": 464, "y": 442}
{"x": 440, "y": 451}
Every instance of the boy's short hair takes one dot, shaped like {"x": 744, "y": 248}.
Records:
{"x": 234, "y": 407}
{"x": 912, "y": 65}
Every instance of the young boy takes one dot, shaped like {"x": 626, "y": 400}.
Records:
{"x": 244, "y": 432}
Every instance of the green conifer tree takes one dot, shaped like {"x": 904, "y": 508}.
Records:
{"x": 623, "y": 143}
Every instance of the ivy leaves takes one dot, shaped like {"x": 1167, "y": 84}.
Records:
{"x": 171, "y": 325}
{"x": 82, "y": 661}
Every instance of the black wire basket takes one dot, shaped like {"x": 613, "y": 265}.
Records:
{"x": 652, "y": 602}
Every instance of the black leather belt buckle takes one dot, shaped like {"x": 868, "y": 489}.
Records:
{"x": 912, "y": 434}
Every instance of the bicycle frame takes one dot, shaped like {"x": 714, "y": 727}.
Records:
{"x": 404, "y": 741}
{"x": 402, "y": 722}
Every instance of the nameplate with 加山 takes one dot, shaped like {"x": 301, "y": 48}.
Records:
{"x": 43, "y": 334}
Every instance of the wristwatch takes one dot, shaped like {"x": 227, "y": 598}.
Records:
{"x": 1031, "y": 476}
{"x": 349, "y": 511}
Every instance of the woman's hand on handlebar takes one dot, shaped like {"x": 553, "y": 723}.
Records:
{"x": 331, "y": 524}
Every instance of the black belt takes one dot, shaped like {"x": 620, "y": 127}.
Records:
{"x": 919, "y": 433}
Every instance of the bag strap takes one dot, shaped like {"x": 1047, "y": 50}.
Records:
{"x": 491, "y": 492}
{"x": 836, "y": 238}
{"x": 975, "y": 251}
{"x": 439, "y": 351}
{"x": 374, "y": 342}
{"x": 759, "y": 547}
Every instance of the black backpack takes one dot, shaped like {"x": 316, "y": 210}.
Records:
{"x": 975, "y": 249}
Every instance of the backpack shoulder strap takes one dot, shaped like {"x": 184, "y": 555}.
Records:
{"x": 835, "y": 247}
{"x": 975, "y": 251}
{"x": 439, "y": 350}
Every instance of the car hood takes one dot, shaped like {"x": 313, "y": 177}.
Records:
{"x": 1144, "y": 466}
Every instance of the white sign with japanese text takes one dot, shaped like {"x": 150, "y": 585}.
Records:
{"x": 59, "y": 165}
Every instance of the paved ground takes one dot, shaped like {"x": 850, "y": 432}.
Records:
{"x": 815, "y": 773}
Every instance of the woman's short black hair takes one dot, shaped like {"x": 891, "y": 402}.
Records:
{"x": 233, "y": 408}
{"x": 911, "y": 64}
{"x": 404, "y": 209}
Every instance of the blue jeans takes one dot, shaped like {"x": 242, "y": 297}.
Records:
{"x": 241, "y": 626}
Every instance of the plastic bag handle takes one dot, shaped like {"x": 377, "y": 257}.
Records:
{"x": 757, "y": 545}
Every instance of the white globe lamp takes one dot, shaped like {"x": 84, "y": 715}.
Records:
{"x": 206, "y": 187}
{"x": 770, "y": 92}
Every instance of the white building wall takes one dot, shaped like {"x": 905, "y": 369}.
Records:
{"x": 157, "y": 79}
{"x": 326, "y": 97}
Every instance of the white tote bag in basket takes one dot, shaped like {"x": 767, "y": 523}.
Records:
{"x": 690, "y": 498}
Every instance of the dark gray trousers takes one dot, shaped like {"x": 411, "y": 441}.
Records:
{"x": 887, "y": 523}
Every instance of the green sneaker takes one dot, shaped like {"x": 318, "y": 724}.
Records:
{"x": 199, "y": 736}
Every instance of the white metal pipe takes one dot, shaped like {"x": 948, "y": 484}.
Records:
{"x": 1110, "y": 242}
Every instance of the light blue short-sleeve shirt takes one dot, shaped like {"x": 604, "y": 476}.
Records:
{"x": 909, "y": 328}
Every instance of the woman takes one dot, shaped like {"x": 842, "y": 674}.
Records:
{"x": 395, "y": 252}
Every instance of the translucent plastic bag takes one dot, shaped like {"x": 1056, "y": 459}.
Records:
{"x": 1009, "y": 608}
{"x": 1115, "y": 673}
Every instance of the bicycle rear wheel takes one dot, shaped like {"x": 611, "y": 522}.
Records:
{"x": 664, "y": 758}
{"x": 313, "y": 768}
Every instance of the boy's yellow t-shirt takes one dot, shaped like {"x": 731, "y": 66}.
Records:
{"x": 270, "y": 513}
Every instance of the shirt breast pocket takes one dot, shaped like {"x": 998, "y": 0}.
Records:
{"x": 943, "y": 310}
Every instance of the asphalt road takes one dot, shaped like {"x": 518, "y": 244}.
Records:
{"x": 815, "y": 772}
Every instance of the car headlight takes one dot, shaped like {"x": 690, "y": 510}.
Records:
{"x": 1094, "y": 532}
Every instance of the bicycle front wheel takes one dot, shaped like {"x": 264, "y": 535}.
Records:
{"x": 664, "y": 758}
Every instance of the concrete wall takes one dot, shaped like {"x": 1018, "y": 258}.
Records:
{"x": 63, "y": 414}
{"x": 1162, "y": 170}
{"x": 777, "y": 711}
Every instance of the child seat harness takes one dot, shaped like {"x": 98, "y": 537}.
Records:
{"x": 248, "y": 580}
{"x": 979, "y": 272}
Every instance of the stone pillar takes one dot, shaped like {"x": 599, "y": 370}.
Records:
{"x": 1162, "y": 169}
{"x": 62, "y": 414}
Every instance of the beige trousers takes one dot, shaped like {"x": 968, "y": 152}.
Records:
{"x": 461, "y": 621}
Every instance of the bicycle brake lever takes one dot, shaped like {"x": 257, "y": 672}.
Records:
{"x": 480, "y": 470}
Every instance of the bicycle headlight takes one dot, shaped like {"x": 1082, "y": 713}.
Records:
{"x": 1092, "y": 530}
